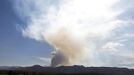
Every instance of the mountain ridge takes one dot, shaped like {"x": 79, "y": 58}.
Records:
{"x": 75, "y": 69}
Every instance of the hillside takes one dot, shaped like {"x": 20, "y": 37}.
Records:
{"x": 68, "y": 70}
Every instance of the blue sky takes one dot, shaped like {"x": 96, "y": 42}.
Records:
{"x": 14, "y": 48}
{"x": 84, "y": 32}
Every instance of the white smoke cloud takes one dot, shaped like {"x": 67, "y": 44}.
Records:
{"x": 85, "y": 32}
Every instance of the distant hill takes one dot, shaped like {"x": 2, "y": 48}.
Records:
{"x": 76, "y": 69}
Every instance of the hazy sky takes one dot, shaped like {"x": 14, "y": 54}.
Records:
{"x": 105, "y": 29}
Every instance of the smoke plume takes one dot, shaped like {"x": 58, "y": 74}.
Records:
{"x": 80, "y": 31}
{"x": 72, "y": 30}
{"x": 66, "y": 50}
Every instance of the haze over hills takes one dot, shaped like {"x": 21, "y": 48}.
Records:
{"x": 74, "y": 69}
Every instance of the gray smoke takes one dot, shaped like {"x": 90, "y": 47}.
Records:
{"x": 66, "y": 49}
